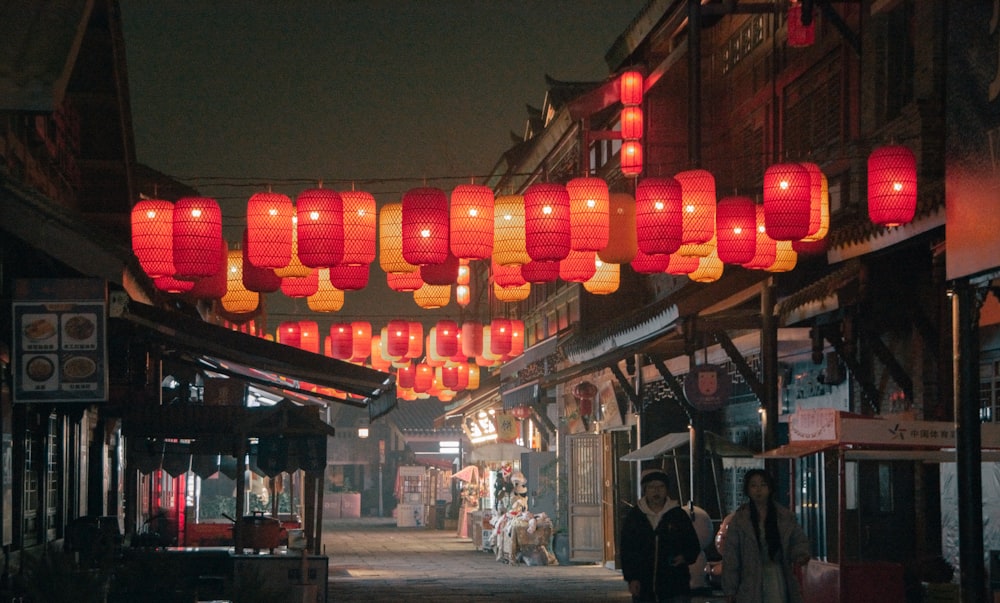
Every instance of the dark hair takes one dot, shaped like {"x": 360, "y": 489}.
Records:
{"x": 771, "y": 522}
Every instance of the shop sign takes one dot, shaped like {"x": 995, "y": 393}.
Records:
{"x": 60, "y": 340}
{"x": 707, "y": 386}
{"x": 508, "y": 427}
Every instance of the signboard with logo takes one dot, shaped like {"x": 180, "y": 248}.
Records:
{"x": 60, "y": 341}
{"x": 707, "y": 386}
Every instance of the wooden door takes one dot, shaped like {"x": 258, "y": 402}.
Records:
{"x": 584, "y": 465}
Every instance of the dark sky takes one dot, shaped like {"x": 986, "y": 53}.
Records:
{"x": 385, "y": 94}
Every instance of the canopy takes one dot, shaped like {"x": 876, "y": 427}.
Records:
{"x": 498, "y": 452}
{"x": 469, "y": 474}
{"x": 714, "y": 444}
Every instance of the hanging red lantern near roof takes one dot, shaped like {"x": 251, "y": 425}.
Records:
{"x": 736, "y": 225}
{"x": 153, "y": 236}
{"x": 630, "y": 85}
{"x": 320, "y": 227}
{"x": 197, "y": 235}
{"x": 588, "y": 213}
{"x": 787, "y": 201}
{"x": 546, "y": 221}
{"x": 697, "y": 206}
{"x": 541, "y": 272}
{"x": 892, "y": 185}
{"x": 658, "y": 216}
{"x": 801, "y": 27}
{"x": 630, "y": 157}
{"x": 270, "y": 227}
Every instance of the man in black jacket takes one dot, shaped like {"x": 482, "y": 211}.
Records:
{"x": 658, "y": 543}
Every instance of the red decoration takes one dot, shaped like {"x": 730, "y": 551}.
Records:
{"x": 546, "y": 221}
{"x": 650, "y": 263}
{"x": 766, "y": 248}
{"x": 631, "y": 121}
{"x": 588, "y": 213}
{"x": 341, "y": 341}
{"x": 270, "y": 226}
{"x": 197, "y": 231}
{"x": 416, "y": 348}
{"x": 630, "y": 86}
{"x": 397, "y": 335}
{"x": 404, "y": 281}
{"x": 423, "y": 377}
{"x": 425, "y": 226}
{"x": 362, "y": 340}
{"x": 472, "y": 338}
{"x": 736, "y": 226}
{"x": 172, "y": 285}
{"x": 444, "y": 273}
{"x": 471, "y": 221}
{"x": 301, "y": 286}
{"x": 349, "y": 277}
{"x": 697, "y": 206}
{"x": 290, "y": 333}
{"x": 500, "y": 336}
{"x": 153, "y": 236}
{"x": 360, "y": 217}
{"x": 658, "y": 217}
{"x": 447, "y": 338}
{"x": 516, "y": 337}
{"x": 578, "y": 266}
{"x": 261, "y": 280}
{"x": 631, "y": 157}
{"x": 892, "y": 185}
{"x": 682, "y": 264}
{"x": 540, "y": 272}
{"x": 405, "y": 374}
{"x": 309, "y": 336}
{"x": 801, "y": 27}
{"x": 787, "y": 199}
{"x": 214, "y": 286}
{"x": 508, "y": 276}
{"x": 320, "y": 227}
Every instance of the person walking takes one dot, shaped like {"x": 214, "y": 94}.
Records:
{"x": 658, "y": 543}
{"x": 764, "y": 545}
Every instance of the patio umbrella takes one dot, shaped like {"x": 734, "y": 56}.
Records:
{"x": 469, "y": 474}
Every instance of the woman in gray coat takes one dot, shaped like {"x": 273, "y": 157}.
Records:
{"x": 764, "y": 543}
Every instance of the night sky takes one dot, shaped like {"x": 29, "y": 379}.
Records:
{"x": 233, "y": 97}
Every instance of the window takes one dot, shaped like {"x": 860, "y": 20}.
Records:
{"x": 989, "y": 390}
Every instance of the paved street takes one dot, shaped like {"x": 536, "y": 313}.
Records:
{"x": 372, "y": 559}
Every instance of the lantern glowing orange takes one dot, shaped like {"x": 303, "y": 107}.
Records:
{"x": 765, "y": 247}
{"x": 787, "y": 200}
{"x": 309, "y": 336}
{"x": 630, "y": 157}
{"x": 699, "y": 250}
{"x": 269, "y": 230}
{"x": 815, "y": 197}
{"x": 197, "y": 236}
{"x": 630, "y": 88}
{"x": 447, "y": 375}
{"x": 349, "y": 277}
{"x": 361, "y": 340}
{"x": 320, "y": 227}
{"x": 658, "y": 216}
{"x": 290, "y": 333}
{"x": 682, "y": 264}
{"x": 588, "y": 213}
{"x": 546, "y": 221}
{"x": 578, "y": 267}
{"x": 360, "y": 217}
{"x": 541, "y": 272}
{"x": 514, "y": 293}
{"x": 404, "y": 375}
{"x": 404, "y": 281}
{"x": 327, "y": 297}
{"x": 390, "y": 229}
{"x": 378, "y": 361}
{"x": 785, "y": 257}
{"x": 631, "y": 122}
{"x": 508, "y": 231}
{"x": 425, "y": 225}
{"x": 605, "y": 280}
{"x": 237, "y": 299}
{"x": 507, "y": 276}
{"x": 697, "y": 206}
{"x": 471, "y": 221}
{"x": 650, "y": 263}
{"x": 341, "y": 341}
{"x": 301, "y": 286}
{"x": 801, "y": 27}
{"x": 709, "y": 269}
{"x": 736, "y": 225}
{"x": 447, "y": 338}
{"x": 516, "y": 337}
{"x": 432, "y": 296}
{"x": 153, "y": 236}
{"x": 824, "y": 211}
{"x": 463, "y": 295}
{"x": 892, "y": 185}
{"x": 622, "y": 243}
{"x": 295, "y": 267}
{"x": 423, "y": 377}
{"x": 472, "y": 338}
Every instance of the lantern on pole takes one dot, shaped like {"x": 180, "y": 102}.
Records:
{"x": 320, "y": 227}
{"x": 471, "y": 221}
{"x": 153, "y": 236}
{"x": 892, "y": 185}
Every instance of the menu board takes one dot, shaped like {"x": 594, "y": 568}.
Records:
{"x": 60, "y": 345}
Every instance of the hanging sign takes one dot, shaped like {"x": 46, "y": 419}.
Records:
{"x": 707, "y": 386}
{"x": 507, "y": 427}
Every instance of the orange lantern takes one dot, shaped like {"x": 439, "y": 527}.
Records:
{"x": 815, "y": 197}
{"x": 444, "y": 273}
{"x": 630, "y": 88}
{"x": 423, "y": 377}
{"x": 197, "y": 236}
{"x": 463, "y": 295}
{"x": 379, "y": 363}
{"x": 801, "y": 27}
{"x": 464, "y": 272}
{"x": 622, "y": 242}
{"x": 320, "y": 227}
{"x": 472, "y": 338}
{"x": 290, "y": 333}
{"x": 588, "y": 213}
{"x": 682, "y": 264}
{"x": 541, "y": 272}
{"x": 709, "y": 269}
{"x": 507, "y": 276}
{"x": 697, "y": 206}
{"x": 699, "y": 250}
{"x": 500, "y": 336}
{"x": 631, "y": 157}
{"x": 396, "y": 338}
{"x": 432, "y": 296}
{"x": 471, "y": 221}
{"x": 425, "y": 225}
{"x": 301, "y": 286}
{"x": 462, "y": 372}
{"x": 390, "y": 228}
{"x": 765, "y": 247}
{"x": 631, "y": 122}
{"x": 349, "y": 277}
{"x": 892, "y": 185}
{"x": 516, "y": 337}
{"x": 361, "y": 340}
{"x": 605, "y": 280}
{"x": 785, "y": 257}
{"x": 824, "y": 208}
{"x": 447, "y": 338}
{"x": 360, "y": 217}
{"x": 650, "y": 263}
{"x": 546, "y": 221}
{"x": 309, "y": 336}
{"x": 237, "y": 299}
{"x": 261, "y": 280}
{"x": 404, "y": 281}
{"x": 736, "y": 225}
{"x": 327, "y": 297}
{"x": 514, "y": 293}
{"x": 578, "y": 267}
{"x": 508, "y": 231}
{"x": 153, "y": 236}
{"x": 787, "y": 199}
{"x": 269, "y": 230}
{"x": 658, "y": 215}
{"x": 341, "y": 341}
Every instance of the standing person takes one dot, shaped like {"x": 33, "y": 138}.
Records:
{"x": 764, "y": 544}
{"x": 658, "y": 543}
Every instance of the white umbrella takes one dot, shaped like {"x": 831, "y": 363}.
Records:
{"x": 469, "y": 474}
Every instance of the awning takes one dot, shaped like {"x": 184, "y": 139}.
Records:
{"x": 533, "y": 354}
{"x": 483, "y": 398}
{"x": 714, "y": 444}
{"x": 796, "y": 450}
{"x": 522, "y": 395}
{"x": 257, "y": 360}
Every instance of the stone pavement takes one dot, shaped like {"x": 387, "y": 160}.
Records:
{"x": 373, "y": 560}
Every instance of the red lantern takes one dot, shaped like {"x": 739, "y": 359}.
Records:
{"x": 444, "y": 273}
{"x": 341, "y": 341}
{"x": 320, "y": 227}
{"x": 546, "y": 221}
{"x": 471, "y": 222}
{"x": 153, "y": 236}
{"x": 290, "y": 333}
{"x": 197, "y": 231}
{"x": 650, "y": 263}
{"x": 801, "y": 27}
{"x": 309, "y": 336}
{"x": 269, "y": 230}
{"x": 172, "y": 285}
{"x": 815, "y": 198}
{"x": 362, "y": 340}
{"x": 541, "y": 272}
{"x": 261, "y": 280}
{"x": 301, "y": 286}
{"x": 360, "y": 217}
{"x": 349, "y": 277}
{"x": 507, "y": 276}
{"x": 516, "y": 337}
{"x": 404, "y": 281}
{"x": 736, "y": 224}
{"x": 892, "y": 185}
{"x": 520, "y": 412}
{"x": 697, "y": 206}
{"x": 787, "y": 200}
{"x": 378, "y": 362}
{"x": 658, "y": 216}
{"x": 423, "y": 377}
{"x": 631, "y": 158}
{"x": 823, "y": 203}
{"x": 214, "y": 286}
{"x": 806, "y": 247}
{"x": 416, "y": 348}
{"x": 397, "y": 336}
{"x": 405, "y": 374}
{"x": 631, "y": 121}
{"x": 472, "y": 338}
{"x": 588, "y": 213}
{"x": 447, "y": 338}
{"x": 425, "y": 226}
{"x": 630, "y": 88}
{"x": 500, "y": 336}
{"x": 578, "y": 267}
